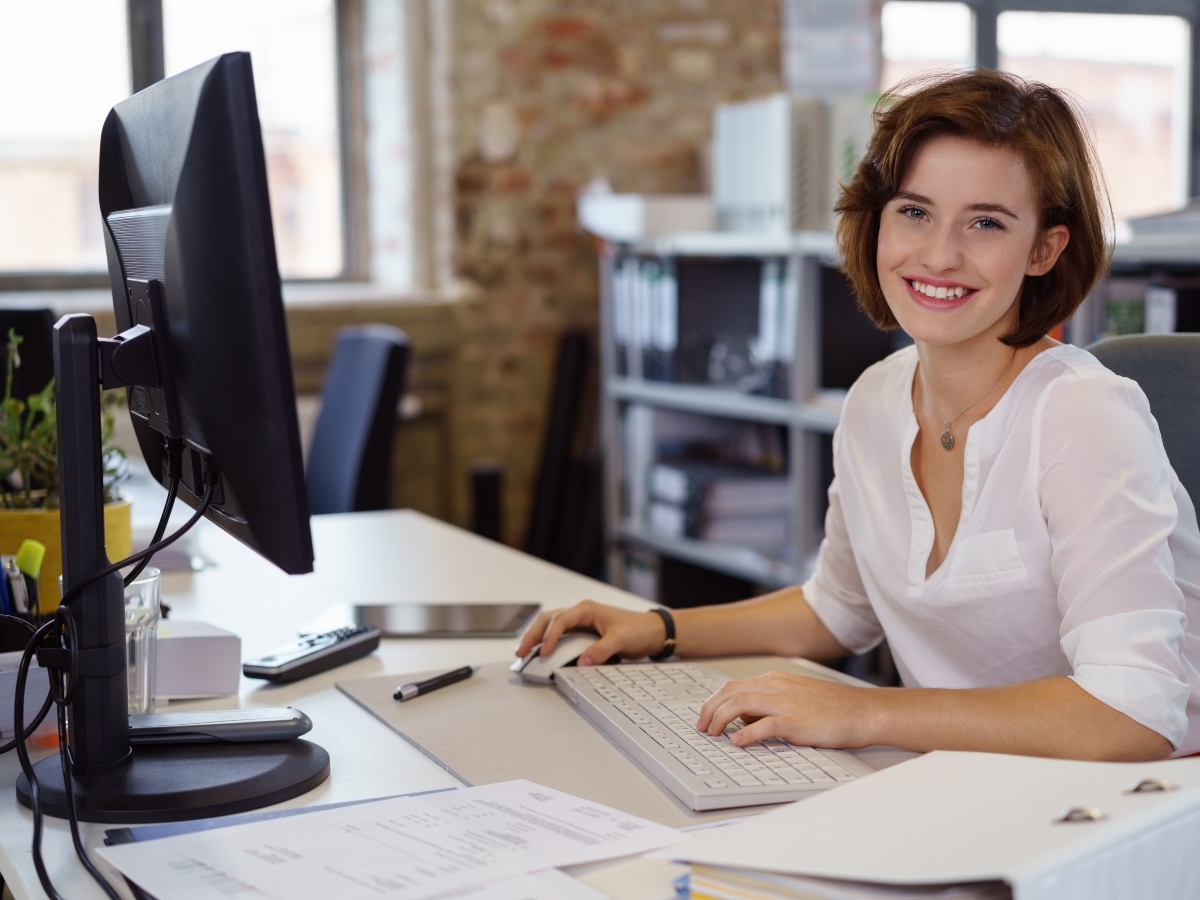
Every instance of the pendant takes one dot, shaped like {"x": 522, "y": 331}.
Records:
{"x": 947, "y": 440}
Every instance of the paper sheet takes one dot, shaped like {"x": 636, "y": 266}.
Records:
{"x": 549, "y": 885}
{"x": 407, "y": 847}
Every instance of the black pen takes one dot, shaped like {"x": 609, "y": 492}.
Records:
{"x": 408, "y": 691}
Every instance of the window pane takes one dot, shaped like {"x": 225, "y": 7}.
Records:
{"x": 63, "y": 64}
{"x": 1131, "y": 75}
{"x": 292, "y": 44}
{"x": 925, "y": 37}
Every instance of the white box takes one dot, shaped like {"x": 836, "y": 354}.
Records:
{"x": 196, "y": 660}
{"x": 631, "y": 217}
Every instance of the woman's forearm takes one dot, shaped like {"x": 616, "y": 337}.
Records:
{"x": 1048, "y": 717}
{"x": 781, "y": 623}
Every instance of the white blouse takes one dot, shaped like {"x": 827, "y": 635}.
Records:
{"x": 1077, "y": 551}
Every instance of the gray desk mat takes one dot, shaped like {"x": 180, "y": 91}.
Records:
{"x": 494, "y": 727}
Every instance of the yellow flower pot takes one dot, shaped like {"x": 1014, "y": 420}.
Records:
{"x": 17, "y": 525}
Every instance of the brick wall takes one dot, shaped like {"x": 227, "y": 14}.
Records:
{"x": 549, "y": 94}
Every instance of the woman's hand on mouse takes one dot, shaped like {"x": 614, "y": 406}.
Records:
{"x": 805, "y": 711}
{"x": 623, "y": 632}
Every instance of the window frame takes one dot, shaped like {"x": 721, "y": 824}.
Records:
{"x": 144, "y": 20}
{"x": 987, "y": 52}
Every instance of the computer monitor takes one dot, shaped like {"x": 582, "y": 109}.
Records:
{"x": 203, "y": 353}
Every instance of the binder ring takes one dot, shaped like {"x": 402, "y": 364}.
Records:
{"x": 1151, "y": 786}
{"x": 1082, "y": 814}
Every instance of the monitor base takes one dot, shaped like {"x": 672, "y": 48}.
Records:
{"x": 176, "y": 782}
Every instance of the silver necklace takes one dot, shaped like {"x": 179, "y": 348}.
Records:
{"x": 947, "y": 437}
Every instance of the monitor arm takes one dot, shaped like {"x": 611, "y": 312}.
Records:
{"x": 99, "y": 716}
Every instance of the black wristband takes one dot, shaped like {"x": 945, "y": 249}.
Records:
{"x": 668, "y": 647}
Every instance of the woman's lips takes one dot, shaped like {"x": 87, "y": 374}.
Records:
{"x": 939, "y": 303}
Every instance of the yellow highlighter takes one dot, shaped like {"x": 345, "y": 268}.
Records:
{"x": 28, "y": 564}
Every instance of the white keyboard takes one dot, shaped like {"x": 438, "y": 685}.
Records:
{"x": 651, "y": 710}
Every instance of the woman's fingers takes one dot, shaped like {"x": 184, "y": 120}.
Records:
{"x": 763, "y": 684}
{"x": 533, "y": 634}
{"x": 604, "y": 649}
{"x": 580, "y": 616}
{"x": 741, "y": 703}
{"x": 761, "y": 729}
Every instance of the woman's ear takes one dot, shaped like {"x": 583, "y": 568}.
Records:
{"x": 1047, "y": 250}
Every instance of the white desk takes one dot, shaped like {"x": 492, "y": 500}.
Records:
{"x": 367, "y": 557}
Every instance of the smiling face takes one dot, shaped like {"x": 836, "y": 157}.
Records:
{"x": 958, "y": 239}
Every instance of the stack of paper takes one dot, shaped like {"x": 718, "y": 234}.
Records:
{"x": 709, "y": 883}
{"x": 720, "y": 503}
{"x": 494, "y": 841}
{"x": 1050, "y": 829}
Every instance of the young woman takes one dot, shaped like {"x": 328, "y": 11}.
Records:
{"x": 1003, "y": 510}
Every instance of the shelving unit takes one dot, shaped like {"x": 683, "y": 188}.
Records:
{"x": 823, "y": 339}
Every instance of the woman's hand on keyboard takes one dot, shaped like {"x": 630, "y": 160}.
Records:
{"x": 804, "y": 711}
{"x": 633, "y": 635}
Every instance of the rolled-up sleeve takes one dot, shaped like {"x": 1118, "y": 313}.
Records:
{"x": 835, "y": 591}
{"x": 1106, "y": 490}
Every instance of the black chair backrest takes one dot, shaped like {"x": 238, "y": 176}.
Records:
{"x": 350, "y": 460}
{"x": 36, "y": 328}
{"x": 1167, "y": 368}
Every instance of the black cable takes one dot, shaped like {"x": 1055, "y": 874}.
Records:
{"x": 35, "y": 799}
{"x": 64, "y": 696}
{"x": 62, "y": 692}
{"x": 174, "y": 448}
{"x": 210, "y": 489}
{"x": 172, "y": 490}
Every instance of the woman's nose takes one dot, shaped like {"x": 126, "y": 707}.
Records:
{"x": 941, "y": 251}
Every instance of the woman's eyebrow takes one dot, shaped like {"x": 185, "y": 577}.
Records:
{"x": 994, "y": 207}
{"x": 974, "y": 207}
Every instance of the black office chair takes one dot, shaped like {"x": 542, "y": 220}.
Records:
{"x": 36, "y": 328}
{"x": 350, "y": 461}
{"x": 1167, "y": 368}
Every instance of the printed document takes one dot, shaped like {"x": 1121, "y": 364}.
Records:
{"x": 409, "y": 848}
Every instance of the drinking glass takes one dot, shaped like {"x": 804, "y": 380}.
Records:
{"x": 142, "y": 612}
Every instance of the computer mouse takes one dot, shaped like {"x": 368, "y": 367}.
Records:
{"x": 539, "y": 669}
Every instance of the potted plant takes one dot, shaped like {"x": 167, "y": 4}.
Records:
{"x": 29, "y": 477}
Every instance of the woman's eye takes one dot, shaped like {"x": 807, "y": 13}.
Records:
{"x": 912, "y": 212}
{"x": 989, "y": 225}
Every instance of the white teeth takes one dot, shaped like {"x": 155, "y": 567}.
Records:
{"x": 940, "y": 293}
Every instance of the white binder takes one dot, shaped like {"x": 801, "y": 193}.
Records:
{"x": 950, "y": 817}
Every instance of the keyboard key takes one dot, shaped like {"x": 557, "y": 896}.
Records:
{"x": 717, "y": 783}
{"x": 633, "y": 714}
{"x": 793, "y": 777}
{"x": 838, "y": 774}
{"x": 745, "y": 780}
{"x": 814, "y": 756}
{"x": 769, "y": 778}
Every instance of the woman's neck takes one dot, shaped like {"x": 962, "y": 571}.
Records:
{"x": 957, "y": 375}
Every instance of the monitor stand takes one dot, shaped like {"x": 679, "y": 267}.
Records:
{"x": 174, "y": 782}
{"x": 111, "y": 782}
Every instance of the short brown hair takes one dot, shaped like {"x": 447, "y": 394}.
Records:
{"x": 995, "y": 109}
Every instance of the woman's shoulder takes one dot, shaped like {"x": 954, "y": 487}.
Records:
{"x": 1069, "y": 375}
{"x": 885, "y": 383}
{"x": 1077, "y": 399}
